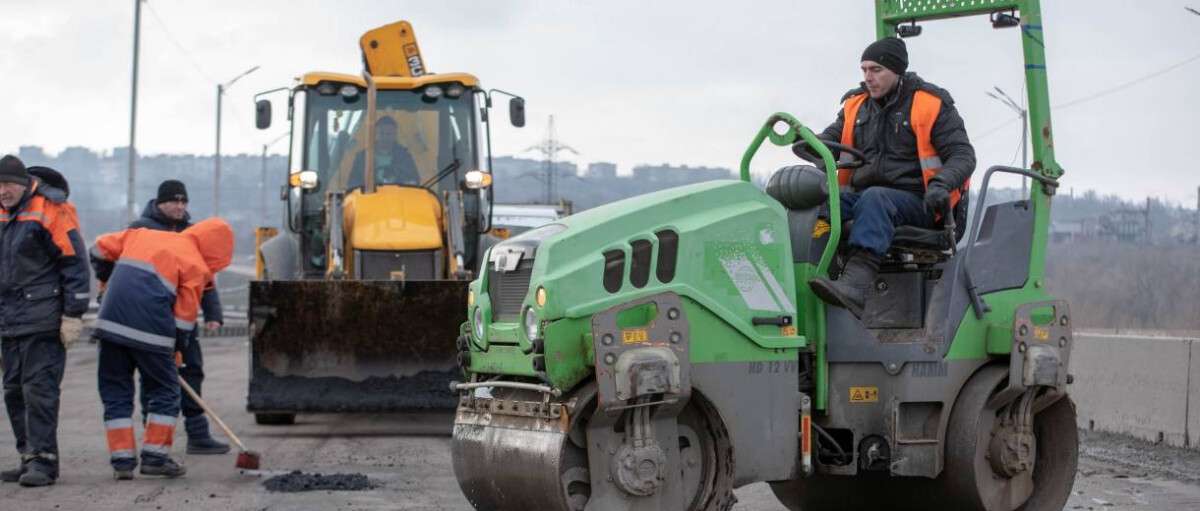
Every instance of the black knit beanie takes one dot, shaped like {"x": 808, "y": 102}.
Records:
{"x": 12, "y": 170}
{"x": 171, "y": 190}
{"x": 889, "y": 52}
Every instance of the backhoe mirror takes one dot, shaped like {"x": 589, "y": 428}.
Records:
{"x": 305, "y": 180}
{"x": 516, "y": 112}
{"x": 477, "y": 179}
{"x": 262, "y": 114}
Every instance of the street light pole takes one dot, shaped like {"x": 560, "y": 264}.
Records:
{"x": 1024, "y": 114}
{"x": 130, "y": 200}
{"x": 221, "y": 88}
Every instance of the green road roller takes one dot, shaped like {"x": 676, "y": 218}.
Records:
{"x": 658, "y": 352}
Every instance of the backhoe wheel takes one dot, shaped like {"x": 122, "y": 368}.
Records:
{"x": 275, "y": 419}
{"x": 976, "y": 482}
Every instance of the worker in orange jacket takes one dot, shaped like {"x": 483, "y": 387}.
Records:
{"x": 154, "y": 280}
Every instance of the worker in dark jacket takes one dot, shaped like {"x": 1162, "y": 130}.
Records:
{"x": 43, "y": 294}
{"x": 394, "y": 164}
{"x": 153, "y": 281}
{"x": 919, "y": 164}
{"x": 168, "y": 212}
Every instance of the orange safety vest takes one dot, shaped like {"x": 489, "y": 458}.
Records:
{"x": 925, "y": 109}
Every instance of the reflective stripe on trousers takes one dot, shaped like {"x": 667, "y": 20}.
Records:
{"x": 121, "y": 442}
{"x": 160, "y": 434}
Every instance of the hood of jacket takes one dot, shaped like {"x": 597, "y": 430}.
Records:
{"x": 214, "y": 239}
{"x": 152, "y": 213}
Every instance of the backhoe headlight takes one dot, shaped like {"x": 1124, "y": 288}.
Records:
{"x": 477, "y": 323}
{"x": 531, "y": 324}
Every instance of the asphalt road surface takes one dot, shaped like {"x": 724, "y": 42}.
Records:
{"x": 407, "y": 458}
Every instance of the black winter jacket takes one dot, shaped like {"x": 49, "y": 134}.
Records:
{"x": 43, "y": 263}
{"x": 152, "y": 218}
{"x": 883, "y": 132}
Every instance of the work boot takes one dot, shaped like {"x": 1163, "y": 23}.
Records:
{"x": 199, "y": 439}
{"x": 165, "y": 467}
{"x": 850, "y": 289}
{"x": 38, "y": 473}
{"x": 123, "y": 469}
{"x": 206, "y": 445}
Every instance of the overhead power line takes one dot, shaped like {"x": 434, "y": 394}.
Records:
{"x": 1099, "y": 94}
{"x": 1130, "y": 83}
{"x": 171, "y": 38}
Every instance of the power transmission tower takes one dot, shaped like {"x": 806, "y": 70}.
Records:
{"x": 550, "y": 147}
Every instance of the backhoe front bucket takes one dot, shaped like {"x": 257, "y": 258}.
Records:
{"x": 353, "y": 346}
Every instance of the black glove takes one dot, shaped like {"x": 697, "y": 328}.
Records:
{"x": 937, "y": 197}
{"x": 181, "y": 339}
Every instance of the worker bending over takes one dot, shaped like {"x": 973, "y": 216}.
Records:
{"x": 153, "y": 282}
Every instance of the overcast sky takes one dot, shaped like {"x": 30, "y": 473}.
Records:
{"x": 681, "y": 82}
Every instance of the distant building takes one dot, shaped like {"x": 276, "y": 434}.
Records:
{"x": 32, "y": 155}
{"x": 668, "y": 174}
{"x": 601, "y": 170}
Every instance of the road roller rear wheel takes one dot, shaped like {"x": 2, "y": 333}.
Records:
{"x": 991, "y": 468}
{"x": 970, "y": 480}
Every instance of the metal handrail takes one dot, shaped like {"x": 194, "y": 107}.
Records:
{"x": 977, "y": 304}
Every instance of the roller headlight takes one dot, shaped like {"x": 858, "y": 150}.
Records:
{"x": 531, "y": 324}
{"x": 477, "y": 323}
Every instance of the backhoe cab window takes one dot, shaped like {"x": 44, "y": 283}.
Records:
{"x": 419, "y": 140}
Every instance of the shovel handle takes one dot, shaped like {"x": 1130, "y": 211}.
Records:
{"x": 208, "y": 411}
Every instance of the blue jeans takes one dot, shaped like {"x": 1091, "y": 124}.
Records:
{"x": 877, "y": 211}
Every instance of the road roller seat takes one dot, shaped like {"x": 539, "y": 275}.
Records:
{"x": 803, "y": 188}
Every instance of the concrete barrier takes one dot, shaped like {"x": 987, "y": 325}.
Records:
{"x": 1144, "y": 386}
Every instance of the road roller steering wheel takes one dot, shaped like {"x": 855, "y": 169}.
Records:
{"x": 806, "y": 153}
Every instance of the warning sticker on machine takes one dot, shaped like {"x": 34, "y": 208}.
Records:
{"x": 634, "y": 336}
{"x": 864, "y": 394}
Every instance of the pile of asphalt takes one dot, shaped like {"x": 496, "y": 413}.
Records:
{"x": 297, "y": 481}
